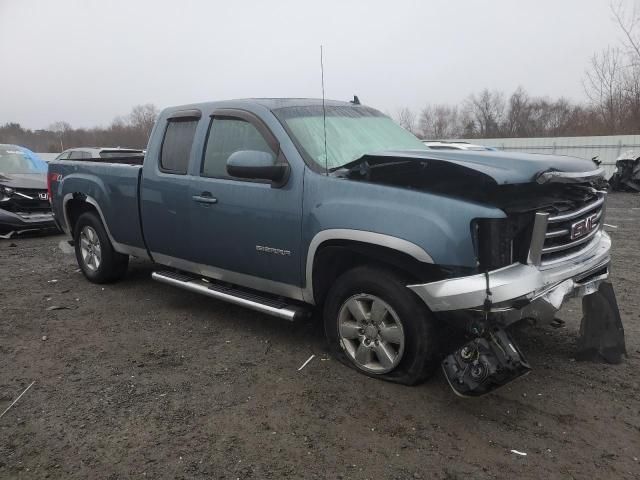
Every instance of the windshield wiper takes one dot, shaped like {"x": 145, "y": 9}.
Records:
{"x": 362, "y": 166}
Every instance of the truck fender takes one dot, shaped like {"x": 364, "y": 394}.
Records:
{"x": 362, "y": 236}
{"x": 117, "y": 246}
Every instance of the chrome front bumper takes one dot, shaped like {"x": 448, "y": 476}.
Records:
{"x": 518, "y": 285}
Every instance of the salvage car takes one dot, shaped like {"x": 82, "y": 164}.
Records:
{"x": 24, "y": 200}
{"x": 439, "y": 145}
{"x": 289, "y": 206}
{"x": 107, "y": 154}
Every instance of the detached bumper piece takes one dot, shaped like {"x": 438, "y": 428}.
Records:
{"x": 484, "y": 364}
{"x": 601, "y": 331}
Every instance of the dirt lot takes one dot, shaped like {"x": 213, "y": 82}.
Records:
{"x": 141, "y": 380}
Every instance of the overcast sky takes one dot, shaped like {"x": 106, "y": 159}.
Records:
{"x": 87, "y": 61}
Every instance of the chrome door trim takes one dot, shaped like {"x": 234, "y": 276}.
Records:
{"x": 363, "y": 236}
{"x": 241, "y": 279}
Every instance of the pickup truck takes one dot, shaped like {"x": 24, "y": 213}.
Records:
{"x": 414, "y": 258}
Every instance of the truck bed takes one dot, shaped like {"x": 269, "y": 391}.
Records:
{"x": 112, "y": 187}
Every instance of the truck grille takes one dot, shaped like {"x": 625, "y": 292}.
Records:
{"x": 570, "y": 232}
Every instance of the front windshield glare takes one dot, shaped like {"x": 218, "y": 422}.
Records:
{"x": 19, "y": 160}
{"x": 351, "y": 133}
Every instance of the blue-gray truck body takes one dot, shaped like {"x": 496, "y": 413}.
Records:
{"x": 267, "y": 236}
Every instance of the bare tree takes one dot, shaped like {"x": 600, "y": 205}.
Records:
{"x": 486, "y": 109}
{"x": 439, "y": 122}
{"x": 518, "y": 121}
{"x": 142, "y": 117}
{"x": 603, "y": 85}
{"x": 406, "y": 118}
{"x": 60, "y": 129}
{"x": 628, "y": 23}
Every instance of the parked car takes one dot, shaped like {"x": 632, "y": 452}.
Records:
{"x": 438, "y": 145}
{"x": 110, "y": 154}
{"x": 24, "y": 200}
{"x": 287, "y": 206}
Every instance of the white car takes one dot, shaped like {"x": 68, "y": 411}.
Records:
{"x": 437, "y": 145}
{"x": 94, "y": 153}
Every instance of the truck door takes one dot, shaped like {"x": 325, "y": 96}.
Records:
{"x": 165, "y": 197}
{"x": 246, "y": 231}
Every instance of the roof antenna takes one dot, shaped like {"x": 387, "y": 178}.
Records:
{"x": 324, "y": 116}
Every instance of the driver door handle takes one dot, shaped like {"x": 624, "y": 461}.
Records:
{"x": 205, "y": 197}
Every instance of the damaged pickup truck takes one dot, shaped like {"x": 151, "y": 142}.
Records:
{"x": 414, "y": 258}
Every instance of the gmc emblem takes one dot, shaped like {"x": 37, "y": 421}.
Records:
{"x": 584, "y": 226}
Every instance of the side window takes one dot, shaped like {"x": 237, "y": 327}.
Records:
{"x": 226, "y": 136}
{"x": 76, "y": 155}
{"x": 176, "y": 146}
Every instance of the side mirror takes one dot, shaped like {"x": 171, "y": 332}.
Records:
{"x": 256, "y": 165}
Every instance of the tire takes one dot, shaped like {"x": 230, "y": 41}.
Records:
{"x": 97, "y": 259}
{"x": 406, "y": 351}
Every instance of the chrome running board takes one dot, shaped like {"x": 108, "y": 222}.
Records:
{"x": 254, "y": 301}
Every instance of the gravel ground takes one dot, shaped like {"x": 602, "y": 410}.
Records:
{"x": 141, "y": 380}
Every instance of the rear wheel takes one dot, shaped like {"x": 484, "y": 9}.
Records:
{"x": 96, "y": 257}
{"x": 376, "y": 325}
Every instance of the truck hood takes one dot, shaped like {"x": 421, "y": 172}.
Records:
{"x": 502, "y": 167}
{"x": 24, "y": 180}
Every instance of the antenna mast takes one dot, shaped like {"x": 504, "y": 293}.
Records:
{"x": 324, "y": 116}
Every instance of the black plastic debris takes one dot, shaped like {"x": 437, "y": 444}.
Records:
{"x": 627, "y": 175}
{"x": 484, "y": 364}
{"x": 601, "y": 331}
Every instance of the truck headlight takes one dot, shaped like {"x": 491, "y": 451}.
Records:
{"x": 5, "y": 193}
{"x": 499, "y": 242}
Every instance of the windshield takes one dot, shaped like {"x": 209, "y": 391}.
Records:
{"x": 14, "y": 159}
{"x": 351, "y": 133}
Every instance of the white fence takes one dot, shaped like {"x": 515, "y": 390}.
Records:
{"x": 47, "y": 157}
{"x": 606, "y": 148}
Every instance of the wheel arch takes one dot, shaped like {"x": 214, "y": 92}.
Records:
{"x": 75, "y": 204}
{"x": 332, "y": 252}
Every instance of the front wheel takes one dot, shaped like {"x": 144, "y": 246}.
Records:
{"x": 376, "y": 325}
{"x": 96, "y": 257}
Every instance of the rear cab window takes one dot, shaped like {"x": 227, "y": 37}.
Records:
{"x": 176, "y": 145}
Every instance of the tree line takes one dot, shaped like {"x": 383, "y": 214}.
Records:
{"x": 131, "y": 131}
{"x": 611, "y": 83}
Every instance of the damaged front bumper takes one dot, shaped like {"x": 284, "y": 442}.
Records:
{"x": 501, "y": 297}
{"x": 522, "y": 291}
{"x": 25, "y": 221}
